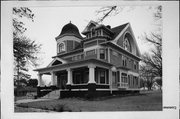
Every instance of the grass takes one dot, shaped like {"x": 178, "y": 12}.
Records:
{"x": 29, "y": 95}
{"x": 146, "y": 101}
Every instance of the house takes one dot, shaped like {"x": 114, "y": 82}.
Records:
{"x": 105, "y": 61}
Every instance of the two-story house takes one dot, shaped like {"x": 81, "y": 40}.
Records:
{"x": 106, "y": 60}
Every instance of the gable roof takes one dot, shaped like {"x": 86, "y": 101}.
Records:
{"x": 55, "y": 60}
{"x": 86, "y": 28}
{"x": 118, "y": 29}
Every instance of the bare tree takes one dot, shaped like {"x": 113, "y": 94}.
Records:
{"x": 107, "y": 11}
{"x": 152, "y": 61}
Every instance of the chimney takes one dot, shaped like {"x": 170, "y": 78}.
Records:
{"x": 108, "y": 26}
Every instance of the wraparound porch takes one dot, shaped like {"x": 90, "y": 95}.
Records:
{"x": 90, "y": 74}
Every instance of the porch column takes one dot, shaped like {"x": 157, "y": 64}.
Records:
{"x": 39, "y": 79}
{"x": 110, "y": 80}
{"x": 69, "y": 77}
{"x": 92, "y": 82}
{"x": 53, "y": 79}
{"x": 91, "y": 73}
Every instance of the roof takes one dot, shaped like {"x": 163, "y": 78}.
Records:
{"x": 118, "y": 29}
{"x": 74, "y": 63}
{"x": 69, "y": 29}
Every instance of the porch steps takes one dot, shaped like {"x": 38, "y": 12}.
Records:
{"x": 52, "y": 95}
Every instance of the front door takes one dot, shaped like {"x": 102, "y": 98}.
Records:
{"x": 63, "y": 81}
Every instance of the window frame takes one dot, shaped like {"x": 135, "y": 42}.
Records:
{"x": 100, "y": 54}
{"x": 126, "y": 44}
{"x": 61, "y": 47}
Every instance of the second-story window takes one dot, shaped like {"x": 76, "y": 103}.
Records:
{"x": 124, "y": 61}
{"x": 102, "y": 53}
{"x": 135, "y": 65}
{"x": 61, "y": 47}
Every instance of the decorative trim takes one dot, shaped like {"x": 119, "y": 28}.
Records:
{"x": 121, "y": 33}
{"x": 57, "y": 59}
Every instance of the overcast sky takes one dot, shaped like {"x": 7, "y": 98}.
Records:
{"x": 49, "y": 21}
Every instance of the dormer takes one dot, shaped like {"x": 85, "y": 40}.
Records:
{"x": 95, "y": 30}
{"x": 69, "y": 39}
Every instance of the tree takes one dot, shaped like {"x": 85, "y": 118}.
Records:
{"x": 32, "y": 82}
{"x": 106, "y": 11}
{"x": 148, "y": 74}
{"x": 159, "y": 81}
{"x": 25, "y": 50}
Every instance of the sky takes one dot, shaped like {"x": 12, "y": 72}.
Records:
{"x": 49, "y": 21}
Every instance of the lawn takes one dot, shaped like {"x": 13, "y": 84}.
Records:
{"x": 146, "y": 101}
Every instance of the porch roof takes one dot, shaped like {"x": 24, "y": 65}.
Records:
{"x": 74, "y": 64}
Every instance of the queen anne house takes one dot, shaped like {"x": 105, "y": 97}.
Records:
{"x": 105, "y": 61}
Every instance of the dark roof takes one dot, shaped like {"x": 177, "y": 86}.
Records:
{"x": 69, "y": 29}
{"x": 118, "y": 29}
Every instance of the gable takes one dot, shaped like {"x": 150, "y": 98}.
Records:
{"x": 89, "y": 26}
{"x": 127, "y": 32}
{"x": 57, "y": 61}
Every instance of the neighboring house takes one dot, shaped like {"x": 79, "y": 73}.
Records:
{"x": 106, "y": 59}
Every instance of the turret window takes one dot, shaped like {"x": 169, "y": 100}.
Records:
{"x": 61, "y": 47}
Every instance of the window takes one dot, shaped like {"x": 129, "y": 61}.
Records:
{"x": 135, "y": 65}
{"x": 99, "y": 33}
{"x": 124, "y": 61}
{"x": 102, "y": 53}
{"x": 135, "y": 81}
{"x": 123, "y": 77}
{"x": 77, "y": 78}
{"x": 80, "y": 78}
{"x": 102, "y": 77}
{"x": 90, "y": 52}
{"x": 61, "y": 47}
{"x": 93, "y": 33}
{"x": 126, "y": 44}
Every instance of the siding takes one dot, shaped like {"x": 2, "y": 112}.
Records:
{"x": 115, "y": 60}
{"x": 90, "y": 43}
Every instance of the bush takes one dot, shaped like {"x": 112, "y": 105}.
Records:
{"x": 62, "y": 108}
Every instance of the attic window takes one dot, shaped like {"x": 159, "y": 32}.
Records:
{"x": 126, "y": 44}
